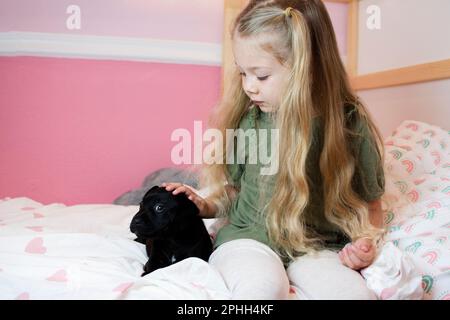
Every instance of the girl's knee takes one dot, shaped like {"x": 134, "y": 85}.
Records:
{"x": 251, "y": 270}
{"x": 270, "y": 286}
{"x": 324, "y": 277}
{"x": 339, "y": 288}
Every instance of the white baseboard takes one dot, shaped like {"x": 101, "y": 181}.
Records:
{"x": 109, "y": 48}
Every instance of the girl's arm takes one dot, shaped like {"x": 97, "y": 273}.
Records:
{"x": 215, "y": 206}
{"x": 360, "y": 254}
{"x": 208, "y": 208}
{"x": 376, "y": 213}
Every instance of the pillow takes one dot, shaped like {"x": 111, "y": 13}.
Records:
{"x": 134, "y": 197}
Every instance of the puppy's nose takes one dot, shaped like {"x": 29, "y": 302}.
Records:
{"x": 133, "y": 227}
{"x": 136, "y": 225}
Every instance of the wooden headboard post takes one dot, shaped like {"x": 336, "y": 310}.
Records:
{"x": 435, "y": 70}
{"x": 232, "y": 10}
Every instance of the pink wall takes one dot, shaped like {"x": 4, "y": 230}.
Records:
{"x": 80, "y": 131}
{"x": 85, "y": 131}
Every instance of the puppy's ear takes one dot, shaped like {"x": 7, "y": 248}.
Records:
{"x": 151, "y": 190}
{"x": 187, "y": 206}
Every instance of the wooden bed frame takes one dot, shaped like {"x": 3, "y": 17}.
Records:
{"x": 394, "y": 77}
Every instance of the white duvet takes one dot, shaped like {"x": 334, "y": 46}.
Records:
{"x": 87, "y": 251}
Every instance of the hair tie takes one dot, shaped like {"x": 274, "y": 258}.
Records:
{"x": 287, "y": 12}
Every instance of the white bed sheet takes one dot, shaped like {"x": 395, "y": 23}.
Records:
{"x": 417, "y": 201}
{"x": 87, "y": 251}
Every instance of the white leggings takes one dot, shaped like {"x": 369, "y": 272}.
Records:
{"x": 251, "y": 270}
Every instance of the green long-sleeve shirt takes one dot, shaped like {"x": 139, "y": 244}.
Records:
{"x": 246, "y": 217}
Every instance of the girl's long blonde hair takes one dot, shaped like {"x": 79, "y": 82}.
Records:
{"x": 318, "y": 85}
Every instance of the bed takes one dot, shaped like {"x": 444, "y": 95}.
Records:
{"x": 56, "y": 251}
{"x": 86, "y": 251}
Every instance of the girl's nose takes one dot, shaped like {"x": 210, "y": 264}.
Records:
{"x": 252, "y": 92}
{"x": 251, "y": 88}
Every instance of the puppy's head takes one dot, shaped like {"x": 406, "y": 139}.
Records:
{"x": 158, "y": 209}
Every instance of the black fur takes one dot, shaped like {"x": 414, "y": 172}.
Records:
{"x": 170, "y": 228}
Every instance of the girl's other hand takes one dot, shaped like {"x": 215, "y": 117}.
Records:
{"x": 358, "y": 254}
{"x": 206, "y": 208}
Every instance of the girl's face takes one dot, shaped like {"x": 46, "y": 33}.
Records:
{"x": 263, "y": 77}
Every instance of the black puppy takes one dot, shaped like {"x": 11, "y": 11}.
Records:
{"x": 170, "y": 228}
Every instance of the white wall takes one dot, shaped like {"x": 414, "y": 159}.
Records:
{"x": 412, "y": 32}
{"x": 177, "y": 20}
{"x": 427, "y": 102}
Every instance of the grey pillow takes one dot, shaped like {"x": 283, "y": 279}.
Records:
{"x": 134, "y": 197}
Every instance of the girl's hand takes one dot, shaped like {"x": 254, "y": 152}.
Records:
{"x": 359, "y": 254}
{"x": 206, "y": 208}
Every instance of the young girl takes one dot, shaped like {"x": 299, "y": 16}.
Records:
{"x": 316, "y": 221}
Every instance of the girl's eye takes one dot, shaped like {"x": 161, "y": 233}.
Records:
{"x": 259, "y": 78}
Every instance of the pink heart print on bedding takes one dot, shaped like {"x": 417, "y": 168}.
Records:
{"x": 23, "y": 296}
{"x": 36, "y": 246}
{"x": 27, "y": 208}
{"x": 123, "y": 287}
{"x": 58, "y": 276}
{"x": 36, "y": 228}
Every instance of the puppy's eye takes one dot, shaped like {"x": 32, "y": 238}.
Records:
{"x": 158, "y": 208}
